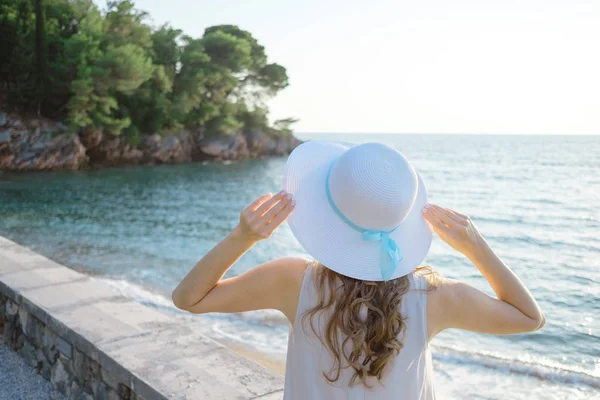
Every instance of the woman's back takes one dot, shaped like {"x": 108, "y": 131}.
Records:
{"x": 407, "y": 375}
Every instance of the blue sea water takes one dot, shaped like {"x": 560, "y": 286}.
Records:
{"x": 535, "y": 198}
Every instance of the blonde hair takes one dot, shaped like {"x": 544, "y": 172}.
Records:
{"x": 375, "y": 339}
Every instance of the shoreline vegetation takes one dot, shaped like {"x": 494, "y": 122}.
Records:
{"x": 82, "y": 87}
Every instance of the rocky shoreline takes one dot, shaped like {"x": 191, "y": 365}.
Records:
{"x": 37, "y": 144}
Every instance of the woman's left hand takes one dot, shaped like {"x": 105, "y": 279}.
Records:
{"x": 274, "y": 284}
{"x": 260, "y": 219}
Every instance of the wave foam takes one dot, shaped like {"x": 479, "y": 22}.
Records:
{"x": 535, "y": 367}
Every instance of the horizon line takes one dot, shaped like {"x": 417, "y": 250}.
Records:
{"x": 448, "y": 133}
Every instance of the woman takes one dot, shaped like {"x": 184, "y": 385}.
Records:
{"x": 362, "y": 313}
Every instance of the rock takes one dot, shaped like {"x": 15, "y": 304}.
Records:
{"x": 113, "y": 395}
{"x": 124, "y": 392}
{"x": 65, "y": 348}
{"x": 94, "y": 368}
{"x": 11, "y": 309}
{"x": 23, "y": 150}
{"x": 65, "y": 152}
{"x": 225, "y": 147}
{"x": 5, "y": 138}
{"x": 35, "y": 331}
{"x": 17, "y": 125}
{"x": 79, "y": 393}
{"x": 108, "y": 152}
{"x": 38, "y": 144}
{"x": 259, "y": 143}
{"x": 2, "y": 312}
{"x": 270, "y": 144}
{"x": 109, "y": 379}
{"x": 151, "y": 141}
{"x": 154, "y": 149}
{"x": 44, "y": 366}
{"x": 131, "y": 155}
{"x": 217, "y": 146}
{"x": 46, "y": 370}
{"x": 41, "y": 361}
{"x": 285, "y": 144}
{"x": 168, "y": 149}
{"x": 60, "y": 378}
{"x": 75, "y": 390}
{"x": 100, "y": 390}
{"x": 90, "y": 137}
{"x": 174, "y": 148}
{"x": 81, "y": 367}
{"x": 13, "y": 335}
{"x": 49, "y": 346}
{"x": 29, "y": 353}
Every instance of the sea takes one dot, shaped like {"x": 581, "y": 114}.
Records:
{"x": 535, "y": 198}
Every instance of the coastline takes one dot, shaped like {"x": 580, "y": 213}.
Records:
{"x": 40, "y": 144}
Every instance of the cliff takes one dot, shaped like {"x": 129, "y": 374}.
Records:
{"x": 33, "y": 144}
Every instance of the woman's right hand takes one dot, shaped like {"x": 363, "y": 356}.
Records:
{"x": 454, "y": 228}
{"x": 264, "y": 215}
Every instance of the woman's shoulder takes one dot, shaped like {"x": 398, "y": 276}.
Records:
{"x": 427, "y": 278}
{"x": 293, "y": 269}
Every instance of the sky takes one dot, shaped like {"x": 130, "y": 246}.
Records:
{"x": 427, "y": 66}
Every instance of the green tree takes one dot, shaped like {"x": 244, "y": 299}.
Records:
{"x": 17, "y": 54}
{"x": 284, "y": 125}
{"x": 41, "y": 53}
{"x": 69, "y": 60}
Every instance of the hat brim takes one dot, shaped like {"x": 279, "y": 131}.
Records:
{"x": 327, "y": 238}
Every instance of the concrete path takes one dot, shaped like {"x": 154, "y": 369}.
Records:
{"x": 18, "y": 381}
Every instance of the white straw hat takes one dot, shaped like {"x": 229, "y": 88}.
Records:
{"x": 358, "y": 208}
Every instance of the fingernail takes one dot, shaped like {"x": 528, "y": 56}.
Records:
{"x": 289, "y": 196}
{"x": 427, "y": 205}
{"x": 281, "y": 193}
{"x": 424, "y": 209}
{"x": 293, "y": 203}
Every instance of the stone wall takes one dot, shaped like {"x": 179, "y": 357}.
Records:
{"x": 69, "y": 369}
{"x": 93, "y": 343}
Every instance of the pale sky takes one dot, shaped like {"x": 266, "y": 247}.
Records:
{"x": 427, "y": 66}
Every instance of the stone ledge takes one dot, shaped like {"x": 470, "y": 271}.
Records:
{"x": 94, "y": 344}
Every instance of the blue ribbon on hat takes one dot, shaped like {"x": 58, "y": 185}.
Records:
{"x": 390, "y": 253}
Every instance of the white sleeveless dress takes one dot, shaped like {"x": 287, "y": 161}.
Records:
{"x": 409, "y": 375}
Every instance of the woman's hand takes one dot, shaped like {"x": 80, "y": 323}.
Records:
{"x": 454, "y": 228}
{"x": 264, "y": 215}
{"x": 455, "y": 304}
{"x": 257, "y": 221}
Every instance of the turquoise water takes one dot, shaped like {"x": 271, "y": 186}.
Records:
{"x": 534, "y": 197}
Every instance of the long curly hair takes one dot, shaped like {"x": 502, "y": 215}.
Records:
{"x": 369, "y": 343}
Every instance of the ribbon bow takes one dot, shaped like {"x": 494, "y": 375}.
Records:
{"x": 390, "y": 253}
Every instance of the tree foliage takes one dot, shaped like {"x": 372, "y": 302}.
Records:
{"x": 71, "y": 61}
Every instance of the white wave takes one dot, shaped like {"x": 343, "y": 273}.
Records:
{"x": 138, "y": 293}
{"x": 536, "y": 367}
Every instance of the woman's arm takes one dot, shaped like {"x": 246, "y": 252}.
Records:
{"x": 270, "y": 285}
{"x": 458, "y": 305}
